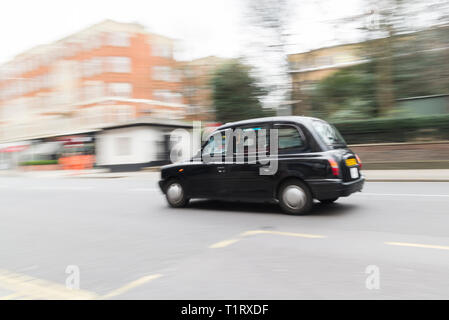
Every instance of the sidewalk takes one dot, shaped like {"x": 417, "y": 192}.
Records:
{"x": 93, "y": 173}
{"x": 420, "y": 175}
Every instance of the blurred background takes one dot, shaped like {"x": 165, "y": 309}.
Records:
{"x": 83, "y": 84}
{"x": 90, "y": 92}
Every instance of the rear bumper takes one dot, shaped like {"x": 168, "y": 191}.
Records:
{"x": 335, "y": 188}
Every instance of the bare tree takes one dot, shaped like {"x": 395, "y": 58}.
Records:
{"x": 269, "y": 25}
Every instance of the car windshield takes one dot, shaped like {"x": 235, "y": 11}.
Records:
{"x": 328, "y": 133}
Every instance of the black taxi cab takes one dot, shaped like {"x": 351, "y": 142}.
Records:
{"x": 290, "y": 160}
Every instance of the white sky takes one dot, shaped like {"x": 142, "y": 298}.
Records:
{"x": 204, "y": 27}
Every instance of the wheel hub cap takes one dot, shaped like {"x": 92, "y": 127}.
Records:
{"x": 294, "y": 197}
{"x": 174, "y": 192}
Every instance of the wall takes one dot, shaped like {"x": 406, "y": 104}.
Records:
{"x": 424, "y": 155}
{"x": 132, "y": 148}
{"x": 142, "y": 145}
{"x": 425, "y": 105}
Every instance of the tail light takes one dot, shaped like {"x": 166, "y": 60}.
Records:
{"x": 359, "y": 161}
{"x": 335, "y": 167}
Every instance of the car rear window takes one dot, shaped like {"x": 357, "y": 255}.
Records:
{"x": 328, "y": 133}
{"x": 289, "y": 138}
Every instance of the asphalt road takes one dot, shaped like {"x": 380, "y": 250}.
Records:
{"x": 127, "y": 243}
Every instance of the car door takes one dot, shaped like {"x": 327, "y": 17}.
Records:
{"x": 295, "y": 155}
{"x": 205, "y": 176}
{"x": 243, "y": 179}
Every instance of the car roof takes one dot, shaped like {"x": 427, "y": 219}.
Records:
{"x": 299, "y": 119}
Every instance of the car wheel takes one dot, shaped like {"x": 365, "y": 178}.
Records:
{"x": 328, "y": 201}
{"x": 295, "y": 198}
{"x": 174, "y": 192}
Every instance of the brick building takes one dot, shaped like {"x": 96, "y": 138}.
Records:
{"x": 197, "y": 91}
{"x": 308, "y": 68}
{"x": 107, "y": 74}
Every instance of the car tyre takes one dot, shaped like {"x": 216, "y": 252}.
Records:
{"x": 328, "y": 201}
{"x": 295, "y": 197}
{"x": 175, "y": 194}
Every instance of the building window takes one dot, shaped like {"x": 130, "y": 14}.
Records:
{"x": 93, "y": 41}
{"x": 92, "y": 67}
{"x": 161, "y": 50}
{"x": 93, "y": 90}
{"x": 162, "y": 73}
{"x": 120, "y": 89}
{"x": 119, "y": 39}
{"x": 119, "y": 64}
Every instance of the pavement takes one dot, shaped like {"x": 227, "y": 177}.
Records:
{"x": 419, "y": 175}
{"x": 118, "y": 239}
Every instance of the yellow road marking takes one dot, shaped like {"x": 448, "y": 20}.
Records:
{"x": 417, "y": 245}
{"x": 40, "y": 289}
{"x": 11, "y": 296}
{"x": 27, "y": 287}
{"x": 131, "y": 285}
{"x": 225, "y": 243}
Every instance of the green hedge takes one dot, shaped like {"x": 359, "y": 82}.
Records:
{"x": 395, "y": 129}
{"x": 39, "y": 162}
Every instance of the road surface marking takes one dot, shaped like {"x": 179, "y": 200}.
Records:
{"x": 417, "y": 245}
{"x": 228, "y": 242}
{"x": 223, "y": 243}
{"x": 131, "y": 285}
{"x": 40, "y": 289}
{"x": 11, "y": 296}
{"x": 402, "y": 194}
{"x": 27, "y": 287}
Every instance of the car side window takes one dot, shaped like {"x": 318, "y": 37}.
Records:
{"x": 289, "y": 139}
{"x": 250, "y": 136}
{"x": 214, "y": 147}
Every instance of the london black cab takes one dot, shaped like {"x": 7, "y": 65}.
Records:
{"x": 303, "y": 159}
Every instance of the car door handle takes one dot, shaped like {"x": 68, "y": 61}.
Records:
{"x": 221, "y": 169}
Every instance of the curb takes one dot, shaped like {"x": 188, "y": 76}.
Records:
{"x": 406, "y": 180}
